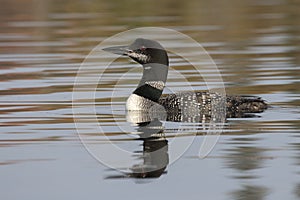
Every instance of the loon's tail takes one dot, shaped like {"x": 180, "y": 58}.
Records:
{"x": 245, "y": 104}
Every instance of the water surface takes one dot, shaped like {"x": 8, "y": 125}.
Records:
{"x": 255, "y": 45}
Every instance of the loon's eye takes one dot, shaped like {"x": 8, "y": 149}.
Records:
{"x": 143, "y": 48}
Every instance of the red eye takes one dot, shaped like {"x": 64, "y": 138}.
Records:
{"x": 143, "y": 48}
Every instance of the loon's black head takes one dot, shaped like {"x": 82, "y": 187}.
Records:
{"x": 154, "y": 59}
{"x": 143, "y": 51}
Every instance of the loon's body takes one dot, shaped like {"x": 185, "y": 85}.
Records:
{"x": 148, "y": 94}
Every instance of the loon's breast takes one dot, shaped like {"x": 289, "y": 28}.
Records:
{"x": 136, "y": 102}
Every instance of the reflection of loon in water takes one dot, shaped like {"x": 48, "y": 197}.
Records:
{"x": 154, "y": 156}
{"x": 148, "y": 93}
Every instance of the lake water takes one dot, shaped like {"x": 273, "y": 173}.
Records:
{"x": 256, "y": 47}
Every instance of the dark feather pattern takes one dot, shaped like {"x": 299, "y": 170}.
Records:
{"x": 204, "y": 103}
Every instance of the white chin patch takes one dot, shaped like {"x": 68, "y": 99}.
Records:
{"x": 141, "y": 57}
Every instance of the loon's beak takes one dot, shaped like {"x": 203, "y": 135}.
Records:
{"x": 120, "y": 50}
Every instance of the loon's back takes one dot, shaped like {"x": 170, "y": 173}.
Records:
{"x": 204, "y": 102}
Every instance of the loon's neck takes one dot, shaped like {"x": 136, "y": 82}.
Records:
{"x": 150, "y": 87}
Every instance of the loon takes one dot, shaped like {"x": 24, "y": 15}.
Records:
{"x": 154, "y": 59}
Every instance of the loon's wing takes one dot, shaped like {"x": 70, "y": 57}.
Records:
{"x": 203, "y": 99}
